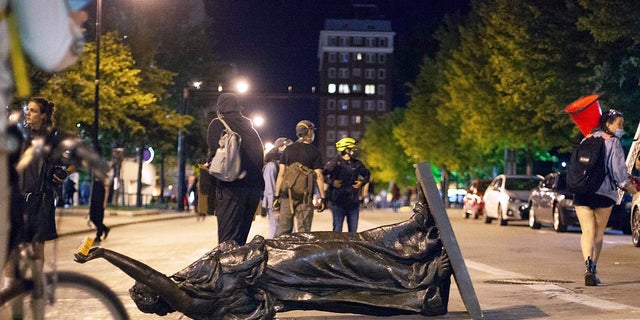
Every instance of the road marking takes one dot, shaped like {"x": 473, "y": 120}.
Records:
{"x": 553, "y": 290}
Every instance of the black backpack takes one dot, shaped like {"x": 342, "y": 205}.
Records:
{"x": 587, "y": 166}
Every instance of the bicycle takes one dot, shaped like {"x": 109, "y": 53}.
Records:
{"x": 55, "y": 294}
{"x": 35, "y": 294}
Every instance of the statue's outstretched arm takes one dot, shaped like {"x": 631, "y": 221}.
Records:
{"x": 159, "y": 282}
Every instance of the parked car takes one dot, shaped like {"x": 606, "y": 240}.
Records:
{"x": 505, "y": 195}
{"x": 473, "y": 204}
{"x": 635, "y": 220}
{"x": 620, "y": 218}
{"x": 550, "y": 203}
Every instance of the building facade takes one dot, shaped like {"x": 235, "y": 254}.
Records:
{"x": 355, "y": 66}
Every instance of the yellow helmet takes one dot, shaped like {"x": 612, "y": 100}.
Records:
{"x": 346, "y": 143}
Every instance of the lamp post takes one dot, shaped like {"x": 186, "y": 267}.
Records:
{"x": 181, "y": 160}
{"x": 96, "y": 96}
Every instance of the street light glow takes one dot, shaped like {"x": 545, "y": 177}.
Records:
{"x": 258, "y": 121}
{"x": 242, "y": 86}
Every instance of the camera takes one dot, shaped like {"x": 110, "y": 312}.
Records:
{"x": 60, "y": 172}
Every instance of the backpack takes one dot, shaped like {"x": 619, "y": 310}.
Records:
{"x": 297, "y": 181}
{"x": 587, "y": 167}
{"x": 225, "y": 165}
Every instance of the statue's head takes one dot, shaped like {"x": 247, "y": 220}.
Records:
{"x": 149, "y": 301}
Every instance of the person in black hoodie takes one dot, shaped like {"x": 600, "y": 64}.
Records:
{"x": 236, "y": 201}
{"x": 347, "y": 178}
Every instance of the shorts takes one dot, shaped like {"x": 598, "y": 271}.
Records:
{"x": 593, "y": 201}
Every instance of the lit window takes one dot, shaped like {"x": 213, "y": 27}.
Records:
{"x": 370, "y": 89}
{"x": 343, "y": 88}
{"x": 356, "y": 87}
{"x": 359, "y": 56}
{"x": 355, "y": 119}
{"x": 331, "y": 88}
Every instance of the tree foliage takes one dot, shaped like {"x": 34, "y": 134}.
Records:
{"x": 128, "y": 115}
{"x": 503, "y": 74}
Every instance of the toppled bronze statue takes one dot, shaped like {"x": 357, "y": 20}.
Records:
{"x": 390, "y": 270}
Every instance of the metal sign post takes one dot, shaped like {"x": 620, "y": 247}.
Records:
{"x": 439, "y": 213}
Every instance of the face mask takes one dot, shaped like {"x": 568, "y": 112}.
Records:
{"x": 619, "y": 133}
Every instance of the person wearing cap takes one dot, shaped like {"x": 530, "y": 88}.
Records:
{"x": 347, "y": 178}
{"x": 270, "y": 174}
{"x": 305, "y": 153}
{"x": 236, "y": 201}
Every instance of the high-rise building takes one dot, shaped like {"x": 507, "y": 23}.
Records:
{"x": 355, "y": 68}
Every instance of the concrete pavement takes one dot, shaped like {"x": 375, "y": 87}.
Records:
{"x": 75, "y": 220}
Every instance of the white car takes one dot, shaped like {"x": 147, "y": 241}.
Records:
{"x": 505, "y": 195}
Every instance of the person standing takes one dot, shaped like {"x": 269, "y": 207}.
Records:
{"x": 270, "y": 174}
{"x": 98, "y": 202}
{"x": 50, "y": 33}
{"x": 347, "y": 178}
{"x": 593, "y": 209}
{"x": 303, "y": 152}
{"x": 41, "y": 180}
{"x": 236, "y": 201}
{"x": 395, "y": 197}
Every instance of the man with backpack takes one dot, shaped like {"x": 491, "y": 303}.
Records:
{"x": 236, "y": 200}
{"x": 300, "y": 171}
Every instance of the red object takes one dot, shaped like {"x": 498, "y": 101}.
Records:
{"x": 585, "y": 112}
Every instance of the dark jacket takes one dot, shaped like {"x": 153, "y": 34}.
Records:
{"x": 347, "y": 171}
{"x": 251, "y": 149}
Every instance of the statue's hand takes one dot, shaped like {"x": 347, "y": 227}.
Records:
{"x": 81, "y": 258}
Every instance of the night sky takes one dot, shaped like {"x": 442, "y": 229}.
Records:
{"x": 274, "y": 43}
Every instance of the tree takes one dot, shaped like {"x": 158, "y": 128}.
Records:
{"x": 383, "y": 154}
{"x": 128, "y": 114}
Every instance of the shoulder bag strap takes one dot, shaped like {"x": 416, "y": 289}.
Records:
{"x": 226, "y": 126}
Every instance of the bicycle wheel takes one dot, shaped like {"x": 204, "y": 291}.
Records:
{"x": 77, "y": 296}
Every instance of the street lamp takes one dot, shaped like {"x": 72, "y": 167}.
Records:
{"x": 96, "y": 96}
{"x": 181, "y": 148}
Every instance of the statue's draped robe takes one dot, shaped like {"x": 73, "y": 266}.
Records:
{"x": 395, "y": 269}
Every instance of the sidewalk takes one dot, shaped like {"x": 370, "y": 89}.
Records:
{"x": 75, "y": 220}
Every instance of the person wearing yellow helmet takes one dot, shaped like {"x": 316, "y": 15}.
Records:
{"x": 348, "y": 179}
